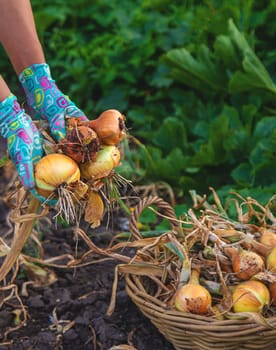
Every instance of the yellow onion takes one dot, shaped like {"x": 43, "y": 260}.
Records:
{"x": 271, "y": 260}
{"x": 109, "y": 126}
{"x": 105, "y": 161}
{"x": 245, "y": 263}
{"x": 81, "y": 143}
{"x": 192, "y": 297}
{"x": 54, "y": 170}
{"x": 250, "y": 296}
{"x": 268, "y": 238}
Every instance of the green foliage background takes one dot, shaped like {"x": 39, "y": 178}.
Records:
{"x": 196, "y": 80}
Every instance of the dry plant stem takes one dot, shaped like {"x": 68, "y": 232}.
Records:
{"x": 98, "y": 250}
{"x": 20, "y": 239}
{"x": 210, "y": 235}
{"x": 13, "y": 294}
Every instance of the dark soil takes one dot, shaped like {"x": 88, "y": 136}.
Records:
{"x": 71, "y": 312}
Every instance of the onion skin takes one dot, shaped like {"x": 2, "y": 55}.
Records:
{"x": 268, "y": 238}
{"x": 109, "y": 126}
{"x": 192, "y": 297}
{"x": 81, "y": 143}
{"x": 54, "y": 170}
{"x": 271, "y": 260}
{"x": 245, "y": 264}
{"x": 94, "y": 209}
{"x": 79, "y": 189}
{"x": 106, "y": 160}
{"x": 250, "y": 296}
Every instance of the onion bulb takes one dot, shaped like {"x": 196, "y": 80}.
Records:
{"x": 192, "y": 297}
{"x": 268, "y": 238}
{"x": 106, "y": 160}
{"x": 245, "y": 263}
{"x": 55, "y": 170}
{"x": 250, "y": 296}
{"x": 109, "y": 126}
{"x": 81, "y": 143}
{"x": 271, "y": 260}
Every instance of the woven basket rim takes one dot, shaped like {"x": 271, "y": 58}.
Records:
{"x": 154, "y": 305}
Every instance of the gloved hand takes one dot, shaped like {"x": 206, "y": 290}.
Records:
{"x": 46, "y": 100}
{"x": 24, "y": 143}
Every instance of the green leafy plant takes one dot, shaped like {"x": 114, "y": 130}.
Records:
{"x": 196, "y": 80}
{"x": 228, "y": 137}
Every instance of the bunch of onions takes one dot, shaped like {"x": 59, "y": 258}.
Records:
{"x": 106, "y": 160}
{"x": 245, "y": 263}
{"x": 87, "y": 153}
{"x": 55, "y": 170}
{"x": 192, "y": 297}
{"x": 250, "y": 296}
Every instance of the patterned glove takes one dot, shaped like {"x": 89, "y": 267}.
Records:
{"x": 46, "y": 100}
{"x": 23, "y": 138}
{"x": 24, "y": 142}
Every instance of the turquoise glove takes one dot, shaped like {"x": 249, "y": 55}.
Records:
{"x": 46, "y": 100}
{"x": 23, "y": 138}
{"x": 24, "y": 142}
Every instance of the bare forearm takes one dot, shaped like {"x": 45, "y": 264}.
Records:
{"x": 18, "y": 34}
{"x": 4, "y": 89}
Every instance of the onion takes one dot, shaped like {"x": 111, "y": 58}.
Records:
{"x": 109, "y": 126}
{"x": 245, "y": 263}
{"x": 106, "y": 160}
{"x": 55, "y": 170}
{"x": 268, "y": 238}
{"x": 271, "y": 260}
{"x": 81, "y": 143}
{"x": 250, "y": 296}
{"x": 192, "y": 297}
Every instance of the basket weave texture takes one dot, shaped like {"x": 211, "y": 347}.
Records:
{"x": 187, "y": 330}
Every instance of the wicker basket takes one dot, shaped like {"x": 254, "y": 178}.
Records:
{"x": 189, "y": 331}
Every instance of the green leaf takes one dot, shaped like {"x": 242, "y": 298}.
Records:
{"x": 173, "y": 163}
{"x": 174, "y": 249}
{"x": 215, "y": 149}
{"x": 200, "y": 73}
{"x": 254, "y": 75}
{"x": 116, "y": 99}
{"x": 266, "y": 127}
{"x": 263, "y": 152}
{"x": 171, "y": 134}
{"x": 225, "y": 51}
{"x": 243, "y": 175}
{"x": 265, "y": 174}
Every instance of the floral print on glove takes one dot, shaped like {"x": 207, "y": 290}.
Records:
{"x": 46, "y": 100}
